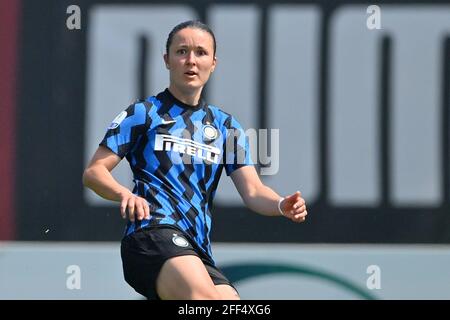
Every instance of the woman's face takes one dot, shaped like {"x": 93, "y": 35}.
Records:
{"x": 190, "y": 60}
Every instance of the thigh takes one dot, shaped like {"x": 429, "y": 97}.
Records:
{"x": 185, "y": 278}
{"x": 227, "y": 292}
{"x": 144, "y": 253}
{"x": 223, "y": 285}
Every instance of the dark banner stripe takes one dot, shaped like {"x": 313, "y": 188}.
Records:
{"x": 52, "y": 111}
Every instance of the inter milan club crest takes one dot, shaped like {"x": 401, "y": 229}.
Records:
{"x": 209, "y": 133}
{"x": 179, "y": 241}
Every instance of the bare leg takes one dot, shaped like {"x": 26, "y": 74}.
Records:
{"x": 227, "y": 292}
{"x": 185, "y": 278}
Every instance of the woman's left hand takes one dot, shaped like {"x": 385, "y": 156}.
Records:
{"x": 294, "y": 207}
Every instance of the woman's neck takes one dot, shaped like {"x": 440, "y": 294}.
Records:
{"x": 190, "y": 98}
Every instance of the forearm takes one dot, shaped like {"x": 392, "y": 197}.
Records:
{"x": 100, "y": 180}
{"x": 264, "y": 201}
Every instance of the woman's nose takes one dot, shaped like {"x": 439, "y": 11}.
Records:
{"x": 190, "y": 58}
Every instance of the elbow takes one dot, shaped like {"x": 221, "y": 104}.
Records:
{"x": 86, "y": 178}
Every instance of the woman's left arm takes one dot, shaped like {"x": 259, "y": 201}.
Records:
{"x": 263, "y": 200}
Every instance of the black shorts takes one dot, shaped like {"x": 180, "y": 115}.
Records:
{"x": 145, "y": 251}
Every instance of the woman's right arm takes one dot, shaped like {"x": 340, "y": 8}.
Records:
{"x": 97, "y": 177}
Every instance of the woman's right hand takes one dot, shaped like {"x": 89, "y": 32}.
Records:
{"x": 136, "y": 207}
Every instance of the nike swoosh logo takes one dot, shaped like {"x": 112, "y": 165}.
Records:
{"x": 167, "y": 121}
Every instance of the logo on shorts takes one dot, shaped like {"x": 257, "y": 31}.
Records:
{"x": 179, "y": 241}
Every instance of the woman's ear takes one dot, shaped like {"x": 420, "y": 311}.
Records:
{"x": 166, "y": 60}
{"x": 214, "y": 64}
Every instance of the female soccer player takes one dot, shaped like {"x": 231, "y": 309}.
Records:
{"x": 177, "y": 146}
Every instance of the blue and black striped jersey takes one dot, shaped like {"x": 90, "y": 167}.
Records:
{"x": 177, "y": 153}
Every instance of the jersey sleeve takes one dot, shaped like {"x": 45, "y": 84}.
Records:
{"x": 125, "y": 130}
{"x": 237, "y": 147}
